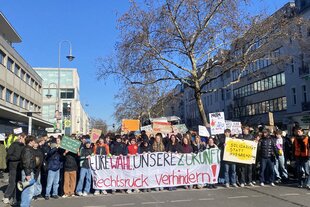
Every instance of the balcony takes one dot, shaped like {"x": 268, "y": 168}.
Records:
{"x": 305, "y": 106}
{"x": 304, "y": 71}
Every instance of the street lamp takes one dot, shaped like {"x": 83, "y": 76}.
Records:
{"x": 70, "y": 57}
{"x": 49, "y": 95}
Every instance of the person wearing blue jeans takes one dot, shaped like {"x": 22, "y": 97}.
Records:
{"x": 85, "y": 173}
{"x": 28, "y": 161}
{"x": 230, "y": 174}
{"x": 53, "y": 166}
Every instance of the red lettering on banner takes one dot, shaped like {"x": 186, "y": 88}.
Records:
{"x": 117, "y": 182}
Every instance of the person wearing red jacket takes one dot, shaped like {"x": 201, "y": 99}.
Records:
{"x": 133, "y": 150}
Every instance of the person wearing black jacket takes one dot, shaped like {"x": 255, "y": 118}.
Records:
{"x": 173, "y": 145}
{"x": 85, "y": 172}
{"x": 118, "y": 147}
{"x": 70, "y": 168}
{"x": 39, "y": 160}
{"x": 268, "y": 153}
{"x": 13, "y": 158}
{"x": 28, "y": 165}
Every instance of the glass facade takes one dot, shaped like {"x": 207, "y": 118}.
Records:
{"x": 51, "y": 76}
{"x": 48, "y": 112}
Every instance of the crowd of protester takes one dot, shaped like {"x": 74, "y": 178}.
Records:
{"x": 58, "y": 172}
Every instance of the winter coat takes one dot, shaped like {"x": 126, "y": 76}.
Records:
{"x": 158, "y": 147}
{"x": 15, "y": 151}
{"x": 118, "y": 148}
{"x": 133, "y": 149}
{"x": 85, "y": 152}
{"x": 176, "y": 147}
{"x": 267, "y": 148}
{"x": 70, "y": 162}
{"x": 198, "y": 148}
{"x": 101, "y": 149}
{"x": 186, "y": 148}
{"x": 2, "y": 157}
{"x": 143, "y": 149}
{"x": 28, "y": 160}
{"x": 54, "y": 159}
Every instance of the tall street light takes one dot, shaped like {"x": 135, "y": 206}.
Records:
{"x": 70, "y": 57}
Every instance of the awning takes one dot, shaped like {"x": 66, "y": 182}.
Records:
{"x": 21, "y": 117}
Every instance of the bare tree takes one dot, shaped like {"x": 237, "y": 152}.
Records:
{"x": 98, "y": 123}
{"x": 189, "y": 41}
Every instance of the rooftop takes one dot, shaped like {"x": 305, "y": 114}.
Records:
{"x": 7, "y": 31}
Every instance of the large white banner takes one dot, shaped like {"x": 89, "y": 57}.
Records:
{"x": 153, "y": 170}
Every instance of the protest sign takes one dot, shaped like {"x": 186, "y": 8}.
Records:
{"x": 162, "y": 127}
{"x": 70, "y": 144}
{"x": 203, "y": 131}
{"x": 179, "y": 128}
{"x": 217, "y": 123}
{"x": 151, "y": 170}
{"x": 240, "y": 151}
{"x": 129, "y": 125}
{"x": 95, "y": 134}
{"x": 2, "y": 137}
{"x": 148, "y": 129}
{"x": 236, "y": 127}
{"x": 18, "y": 130}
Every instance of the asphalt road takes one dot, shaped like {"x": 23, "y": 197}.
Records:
{"x": 282, "y": 196}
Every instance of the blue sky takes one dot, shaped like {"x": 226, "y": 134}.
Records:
{"x": 91, "y": 27}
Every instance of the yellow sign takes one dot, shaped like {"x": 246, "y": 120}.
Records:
{"x": 67, "y": 123}
{"x": 240, "y": 151}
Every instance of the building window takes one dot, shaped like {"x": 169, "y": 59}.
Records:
{"x": 22, "y": 75}
{"x": 292, "y": 66}
{"x": 9, "y": 64}
{"x": 1, "y": 92}
{"x": 2, "y": 56}
{"x": 294, "y": 95}
{"x": 28, "y": 79}
{"x": 8, "y": 95}
{"x": 15, "y": 99}
{"x": 26, "y": 104}
{"x": 308, "y": 32}
{"x": 304, "y": 93}
{"x": 16, "y": 70}
{"x": 21, "y": 102}
{"x": 67, "y": 93}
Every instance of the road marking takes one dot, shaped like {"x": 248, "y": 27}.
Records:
{"x": 290, "y": 194}
{"x": 124, "y": 204}
{"x": 206, "y": 199}
{"x": 308, "y": 193}
{"x": 234, "y": 197}
{"x": 178, "y": 201}
{"x": 148, "y": 203}
{"x": 256, "y": 196}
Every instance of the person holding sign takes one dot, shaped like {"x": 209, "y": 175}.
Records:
{"x": 70, "y": 168}
{"x": 230, "y": 167}
{"x": 101, "y": 149}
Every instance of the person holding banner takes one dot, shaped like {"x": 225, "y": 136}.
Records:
{"x": 101, "y": 148}
{"x": 158, "y": 146}
{"x": 85, "y": 173}
{"x": 230, "y": 167}
{"x": 133, "y": 150}
{"x": 186, "y": 147}
{"x": 211, "y": 145}
{"x": 245, "y": 170}
{"x": 173, "y": 145}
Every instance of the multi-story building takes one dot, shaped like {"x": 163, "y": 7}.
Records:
{"x": 265, "y": 85}
{"x": 20, "y": 85}
{"x": 72, "y": 117}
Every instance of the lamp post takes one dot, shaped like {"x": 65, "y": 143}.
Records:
{"x": 70, "y": 57}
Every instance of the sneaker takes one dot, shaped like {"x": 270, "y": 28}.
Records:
{"x": 97, "y": 192}
{"x": 85, "y": 194}
{"x": 55, "y": 196}
{"x": 272, "y": 184}
{"x": 214, "y": 186}
{"x": 251, "y": 184}
{"x": 262, "y": 184}
{"x": 5, "y": 200}
{"x": 46, "y": 197}
{"x": 79, "y": 193}
{"x": 104, "y": 192}
{"x": 137, "y": 191}
{"x": 72, "y": 195}
{"x": 65, "y": 196}
{"x": 129, "y": 191}
{"x": 242, "y": 185}
{"x": 227, "y": 185}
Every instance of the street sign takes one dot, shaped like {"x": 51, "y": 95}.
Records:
{"x": 67, "y": 123}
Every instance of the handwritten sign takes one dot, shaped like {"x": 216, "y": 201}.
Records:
{"x": 162, "y": 127}
{"x": 95, "y": 134}
{"x": 70, "y": 144}
{"x": 179, "y": 128}
{"x": 18, "y": 130}
{"x": 153, "y": 170}
{"x": 203, "y": 131}
{"x": 217, "y": 123}
{"x": 129, "y": 125}
{"x": 240, "y": 151}
{"x": 234, "y": 126}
